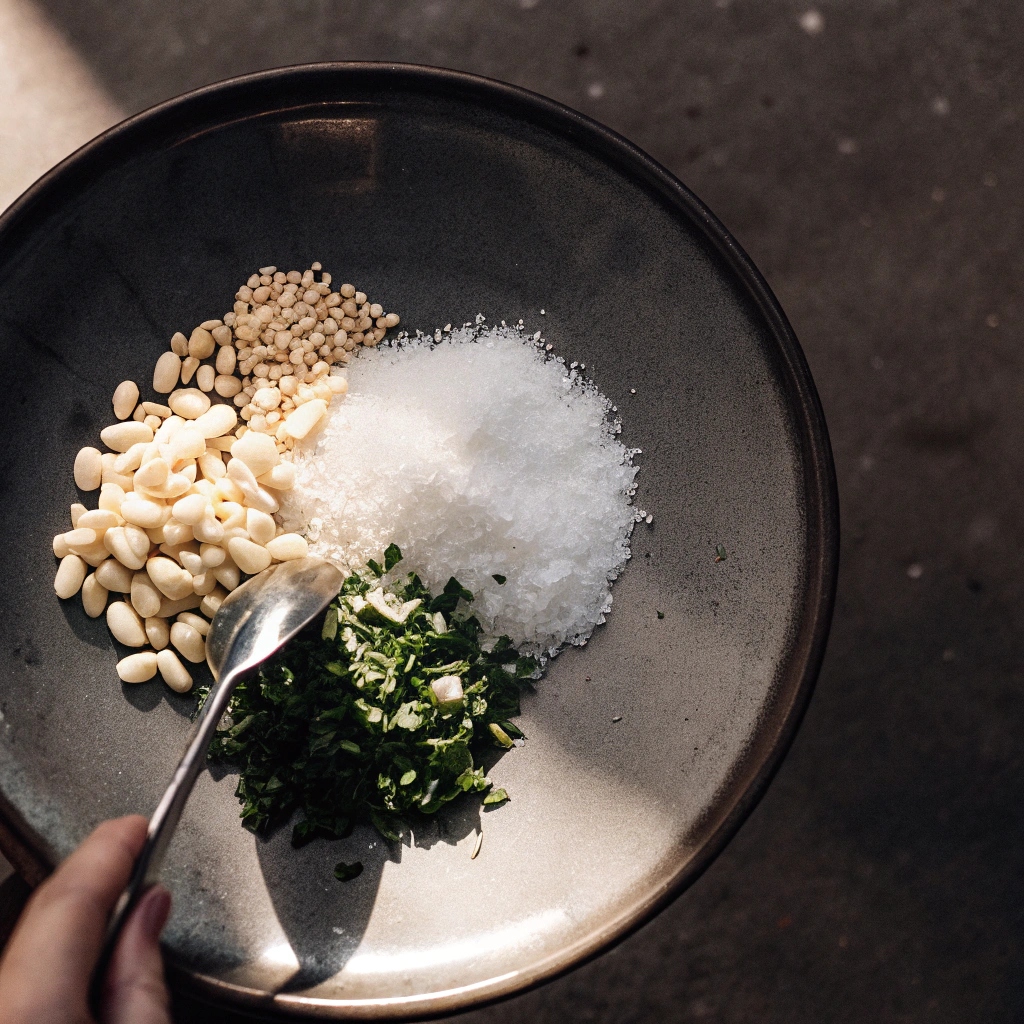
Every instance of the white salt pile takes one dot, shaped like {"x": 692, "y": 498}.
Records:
{"x": 479, "y": 456}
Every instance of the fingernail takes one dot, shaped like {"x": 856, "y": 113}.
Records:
{"x": 155, "y": 908}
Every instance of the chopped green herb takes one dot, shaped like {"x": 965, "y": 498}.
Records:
{"x": 499, "y": 579}
{"x": 392, "y": 556}
{"x": 661, "y": 615}
{"x": 346, "y": 872}
{"x": 496, "y": 796}
{"x": 720, "y": 553}
{"x": 501, "y": 737}
{"x": 344, "y": 726}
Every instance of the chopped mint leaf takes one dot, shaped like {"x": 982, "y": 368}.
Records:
{"x": 342, "y": 724}
{"x": 499, "y": 579}
{"x": 392, "y": 556}
{"x": 330, "y": 630}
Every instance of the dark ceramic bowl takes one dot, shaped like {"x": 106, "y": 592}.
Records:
{"x": 443, "y": 195}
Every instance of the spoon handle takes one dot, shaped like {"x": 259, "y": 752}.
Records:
{"x": 165, "y": 820}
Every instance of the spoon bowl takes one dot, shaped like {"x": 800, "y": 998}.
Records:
{"x": 254, "y": 621}
{"x": 266, "y": 612}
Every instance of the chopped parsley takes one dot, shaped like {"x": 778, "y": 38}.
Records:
{"x": 376, "y": 714}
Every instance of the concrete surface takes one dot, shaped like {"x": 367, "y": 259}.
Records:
{"x": 868, "y": 156}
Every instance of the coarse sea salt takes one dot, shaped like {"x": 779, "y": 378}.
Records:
{"x": 479, "y": 456}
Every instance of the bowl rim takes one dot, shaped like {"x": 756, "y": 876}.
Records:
{"x": 794, "y": 681}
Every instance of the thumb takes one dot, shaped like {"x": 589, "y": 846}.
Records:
{"x": 134, "y": 991}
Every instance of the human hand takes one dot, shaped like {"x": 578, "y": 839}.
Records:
{"x": 47, "y": 968}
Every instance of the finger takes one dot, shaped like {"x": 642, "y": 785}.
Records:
{"x": 52, "y": 953}
{"x": 135, "y": 992}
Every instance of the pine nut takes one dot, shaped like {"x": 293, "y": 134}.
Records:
{"x": 70, "y": 576}
{"x": 121, "y": 436}
{"x": 189, "y": 642}
{"x": 190, "y": 560}
{"x": 288, "y": 546}
{"x": 114, "y": 576}
{"x": 60, "y": 546}
{"x": 110, "y": 475}
{"x": 206, "y": 375}
{"x": 187, "y": 443}
{"x": 204, "y": 583}
{"x": 249, "y": 557}
{"x": 111, "y": 497}
{"x": 137, "y": 668}
{"x": 260, "y": 527}
{"x": 211, "y": 603}
{"x": 257, "y": 451}
{"x": 153, "y": 475}
{"x": 171, "y": 608}
{"x": 177, "y": 533}
{"x": 211, "y": 465}
{"x": 88, "y": 469}
{"x": 191, "y": 509}
{"x": 209, "y": 530}
{"x": 212, "y": 555}
{"x": 98, "y": 519}
{"x": 127, "y": 546}
{"x": 143, "y": 512}
{"x": 166, "y": 373}
{"x": 197, "y": 622}
{"x": 126, "y": 397}
{"x": 227, "y": 575}
{"x": 280, "y": 478}
{"x": 179, "y": 344}
{"x": 216, "y": 422}
{"x": 145, "y": 597}
{"x": 305, "y": 418}
{"x": 124, "y": 622}
{"x": 80, "y": 537}
{"x": 175, "y": 675}
{"x": 158, "y": 632}
{"x": 129, "y": 461}
{"x": 170, "y": 579}
{"x": 94, "y": 597}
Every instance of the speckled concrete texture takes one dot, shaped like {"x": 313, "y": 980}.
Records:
{"x": 868, "y": 157}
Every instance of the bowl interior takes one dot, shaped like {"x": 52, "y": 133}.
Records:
{"x": 445, "y": 197}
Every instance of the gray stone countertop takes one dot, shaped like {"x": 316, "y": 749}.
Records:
{"x": 867, "y": 156}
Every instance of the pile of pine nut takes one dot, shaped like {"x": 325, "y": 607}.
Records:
{"x": 187, "y": 494}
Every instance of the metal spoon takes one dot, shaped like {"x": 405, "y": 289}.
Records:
{"x": 254, "y": 621}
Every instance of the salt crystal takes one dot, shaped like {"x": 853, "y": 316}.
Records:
{"x": 474, "y": 457}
